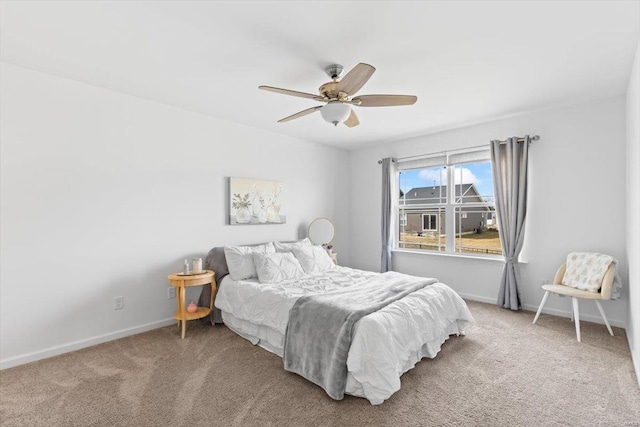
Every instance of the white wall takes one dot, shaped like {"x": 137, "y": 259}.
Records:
{"x": 633, "y": 209}
{"x": 577, "y": 202}
{"x": 104, "y": 194}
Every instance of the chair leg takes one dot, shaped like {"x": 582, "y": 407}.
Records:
{"x": 606, "y": 322}
{"x": 544, "y": 300}
{"x": 576, "y": 315}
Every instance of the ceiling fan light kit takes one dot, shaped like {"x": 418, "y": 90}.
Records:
{"x": 340, "y": 94}
{"x": 335, "y": 112}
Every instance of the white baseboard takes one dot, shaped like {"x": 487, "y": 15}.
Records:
{"x": 477, "y": 298}
{"x": 77, "y": 345}
{"x": 553, "y": 311}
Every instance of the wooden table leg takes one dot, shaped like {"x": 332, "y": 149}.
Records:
{"x": 213, "y": 289}
{"x": 183, "y": 313}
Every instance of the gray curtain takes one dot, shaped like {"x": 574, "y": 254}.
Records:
{"x": 387, "y": 213}
{"x": 509, "y": 161}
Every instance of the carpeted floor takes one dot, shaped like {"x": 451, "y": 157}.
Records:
{"x": 505, "y": 372}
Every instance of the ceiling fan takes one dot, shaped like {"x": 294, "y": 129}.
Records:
{"x": 338, "y": 95}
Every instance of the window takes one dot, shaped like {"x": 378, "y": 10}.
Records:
{"x": 429, "y": 222}
{"x": 434, "y": 216}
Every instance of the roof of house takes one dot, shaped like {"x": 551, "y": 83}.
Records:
{"x": 432, "y": 194}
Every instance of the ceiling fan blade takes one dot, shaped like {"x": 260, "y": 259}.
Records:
{"x": 301, "y": 114}
{"x": 384, "y": 100}
{"x": 355, "y": 79}
{"x": 352, "y": 120}
{"x": 291, "y": 92}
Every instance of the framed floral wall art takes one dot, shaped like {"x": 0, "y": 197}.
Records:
{"x": 256, "y": 202}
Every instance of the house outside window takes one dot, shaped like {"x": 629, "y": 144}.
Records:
{"x": 454, "y": 219}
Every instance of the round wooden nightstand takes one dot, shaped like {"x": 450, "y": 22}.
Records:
{"x": 183, "y": 281}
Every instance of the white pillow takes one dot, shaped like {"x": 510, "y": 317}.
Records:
{"x": 313, "y": 259}
{"x": 274, "y": 268}
{"x": 288, "y": 247}
{"x": 240, "y": 259}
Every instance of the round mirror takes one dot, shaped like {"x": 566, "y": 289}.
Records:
{"x": 321, "y": 231}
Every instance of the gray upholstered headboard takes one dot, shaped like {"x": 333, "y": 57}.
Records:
{"x": 217, "y": 262}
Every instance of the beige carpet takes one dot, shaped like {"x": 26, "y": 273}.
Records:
{"x": 505, "y": 372}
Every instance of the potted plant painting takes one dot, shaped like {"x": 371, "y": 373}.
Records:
{"x": 256, "y": 202}
{"x": 241, "y": 205}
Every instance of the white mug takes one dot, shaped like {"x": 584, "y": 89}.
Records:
{"x": 197, "y": 265}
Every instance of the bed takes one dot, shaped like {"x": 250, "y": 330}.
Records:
{"x": 386, "y": 341}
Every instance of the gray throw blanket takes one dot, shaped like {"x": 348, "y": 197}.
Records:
{"x": 320, "y": 327}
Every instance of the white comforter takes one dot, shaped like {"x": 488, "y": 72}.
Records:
{"x": 385, "y": 344}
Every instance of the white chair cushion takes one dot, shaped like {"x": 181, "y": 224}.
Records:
{"x": 572, "y": 292}
{"x": 585, "y": 270}
{"x": 240, "y": 259}
{"x": 313, "y": 259}
{"x": 275, "y": 268}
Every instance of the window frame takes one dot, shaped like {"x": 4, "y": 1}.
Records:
{"x": 451, "y": 208}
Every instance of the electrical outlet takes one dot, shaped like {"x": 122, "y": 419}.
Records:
{"x": 118, "y": 303}
{"x": 171, "y": 292}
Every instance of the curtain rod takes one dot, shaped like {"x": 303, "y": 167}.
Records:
{"x": 420, "y": 156}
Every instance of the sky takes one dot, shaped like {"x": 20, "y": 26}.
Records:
{"x": 472, "y": 173}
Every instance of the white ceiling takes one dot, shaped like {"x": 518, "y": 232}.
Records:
{"x": 466, "y": 61}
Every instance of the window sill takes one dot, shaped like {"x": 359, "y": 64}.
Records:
{"x": 490, "y": 258}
